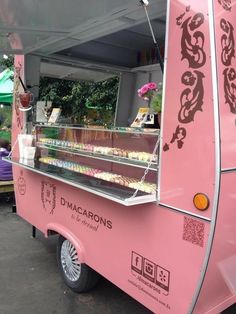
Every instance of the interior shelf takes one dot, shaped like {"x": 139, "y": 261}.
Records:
{"x": 130, "y": 130}
{"x": 109, "y": 190}
{"x": 100, "y": 156}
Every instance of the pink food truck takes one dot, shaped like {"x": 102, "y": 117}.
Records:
{"x": 152, "y": 210}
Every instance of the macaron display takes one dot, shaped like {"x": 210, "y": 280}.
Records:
{"x": 149, "y": 188}
{"x": 103, "y": 150}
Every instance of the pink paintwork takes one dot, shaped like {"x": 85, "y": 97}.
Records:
{"x": 17, "y": 115}
{"x": 226, "y": 66}
{"x": 108, "y": 247}
{"x": 219, "y": 286}
{"x": 188, "y": 109}
{"x": 170, "y": 256}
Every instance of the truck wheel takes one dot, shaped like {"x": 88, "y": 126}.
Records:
{"x": 77, "y": 276}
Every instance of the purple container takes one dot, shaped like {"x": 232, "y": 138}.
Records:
{"x": 5, "y": 167}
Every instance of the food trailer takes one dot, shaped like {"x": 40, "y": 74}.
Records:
{"x": 153, "y": 211}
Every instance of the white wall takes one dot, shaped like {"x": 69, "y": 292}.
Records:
{"x": 128, "y": 100}
{"x": 32, "y": 74}
{"x": 125, "y": 98}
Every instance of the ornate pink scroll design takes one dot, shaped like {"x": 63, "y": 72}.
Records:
{"x": 227, "y": 42}
{"x": 16, "y": 95}
{"x": 227, "y": 56}
{"x": 192, "y": 41}
{"x": 226, "y": 4}
{"x": 178, "y": 137}
{"x": 192, "y": 96}
{"x": 48, "y": 196}
{"x": 230, "y": 88}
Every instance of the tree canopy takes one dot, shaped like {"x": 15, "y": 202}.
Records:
{"x": 7, "y": 63}
{"x": 82, "y": 99}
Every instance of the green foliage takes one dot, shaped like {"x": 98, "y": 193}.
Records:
{"x": 76, "y": 98}
{"x": 6, "y": 135}
{"x": 7, "y": 63}
{"x": 57, "y": 91}
{"x": 5, "y": 116}
{"x": 156, "y": 103}
{"x": 104, "y": 94}
{"x": 5, "y": 122}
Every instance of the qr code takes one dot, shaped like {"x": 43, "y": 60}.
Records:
{"x": 194, "y": 231}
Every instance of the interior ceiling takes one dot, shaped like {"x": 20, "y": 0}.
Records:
{"x": 66, "y": 72}
{"x": 107, "y": 32}
{"x": 122, "y": 48}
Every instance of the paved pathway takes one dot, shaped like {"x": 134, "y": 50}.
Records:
{"x": 30, "y": 281}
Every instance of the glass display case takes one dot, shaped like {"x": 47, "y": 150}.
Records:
{"x": 119, "y": 164}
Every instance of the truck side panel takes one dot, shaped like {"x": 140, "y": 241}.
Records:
{"x": 188, "y": 134}
{"x": 152, "y": 253}
{"x": 219, "y": 287}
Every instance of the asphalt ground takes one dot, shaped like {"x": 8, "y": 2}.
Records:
{"x": 30, "y": 281}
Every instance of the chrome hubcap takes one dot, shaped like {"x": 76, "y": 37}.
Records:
{"x": 69, "y": 261}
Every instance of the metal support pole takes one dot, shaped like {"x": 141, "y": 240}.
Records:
{"x": 144, "y": 4}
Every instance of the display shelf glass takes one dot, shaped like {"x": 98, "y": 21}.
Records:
{"x": 109, "y": 190}
{"x": 119, "y": 164}
{"x": 134, "y": 147}
{"x": 97, "y": 155}
{"x": 130, "y": 130}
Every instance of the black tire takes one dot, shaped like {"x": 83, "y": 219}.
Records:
{"x": 79, "y": 277}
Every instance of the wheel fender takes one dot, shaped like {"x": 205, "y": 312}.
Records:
{"x": 67, "y": 234}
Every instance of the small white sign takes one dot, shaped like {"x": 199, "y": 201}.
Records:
{"x": 54, "y": 115}
{"x": 43, "y": 109}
